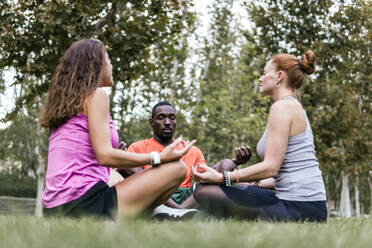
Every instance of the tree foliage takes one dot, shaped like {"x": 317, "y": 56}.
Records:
{"x": 216, "y": 98}
{"x": 36, "y": 34}
{"x": 228, "y": 112}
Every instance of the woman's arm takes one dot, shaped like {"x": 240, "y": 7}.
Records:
{"x": 278, "y": 127}
{"x": 267, "y": 183}
{"x": 127, "y": 172}
{"x": 99, "y": 132}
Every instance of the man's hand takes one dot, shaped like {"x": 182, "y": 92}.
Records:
{"x": 122, "y": 146}
{"x": 242, "y": 155}
{"x": 225, "y": 164}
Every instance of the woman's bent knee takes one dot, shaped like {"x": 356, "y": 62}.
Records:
{"x": 176, "y": 170}
{"x": 183, "y": 167}
{"x": 181, "y": 170}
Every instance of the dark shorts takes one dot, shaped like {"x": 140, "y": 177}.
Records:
{"x": 99, "y": 201}
{"x": 181, "y": 194}
{"x": 266, "y": 205}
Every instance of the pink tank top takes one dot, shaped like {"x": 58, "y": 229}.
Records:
{"x": 72, "y": 166}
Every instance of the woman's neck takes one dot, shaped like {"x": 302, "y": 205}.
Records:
{"x": 282, "y": 93}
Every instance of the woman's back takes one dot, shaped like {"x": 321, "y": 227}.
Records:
{"x": 299, "y": 177}
{"x": 72, "y": 166}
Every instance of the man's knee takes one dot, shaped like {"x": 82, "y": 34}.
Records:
{"x": 225, "y": 164}
{"x": 200, "y": 192}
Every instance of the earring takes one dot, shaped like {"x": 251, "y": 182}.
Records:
{"x": 277, "y": 83}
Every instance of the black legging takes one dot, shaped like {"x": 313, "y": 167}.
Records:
{"x": 250, "y": 202}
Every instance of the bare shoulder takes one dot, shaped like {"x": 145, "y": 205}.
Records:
{"x": 278, "y": 107}
{"x": 285, "y": 107}
{"x": 100, "y": 93}
{"x": 281, "y": 112}
{"x": 99, "y": 96}
{"x": 98, "y": 103}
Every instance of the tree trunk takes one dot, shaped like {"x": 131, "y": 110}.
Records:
{"x": 370, "y": 191}
{"x": 40, "y": 169}
{"x": 357, "y": 201}
{"x": 345, "y": 210}
{"x": 337, "y": 181}
{"x": 211, "y": 56}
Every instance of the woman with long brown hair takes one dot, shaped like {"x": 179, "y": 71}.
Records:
{"x": 83, "y": 142}
{"x": 287, "y": 148}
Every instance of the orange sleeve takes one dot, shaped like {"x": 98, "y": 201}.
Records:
{"x": 199, "y": 158}
{"x": 133, "y": 148}
{"x": 136, "y": 147}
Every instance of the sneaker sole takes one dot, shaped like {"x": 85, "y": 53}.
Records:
{"x": 165, "y": 216}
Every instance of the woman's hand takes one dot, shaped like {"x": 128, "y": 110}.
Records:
{"x": 171, "y": 154}
{"x": 208, "y": 175}
{"x": 242, "y": 155}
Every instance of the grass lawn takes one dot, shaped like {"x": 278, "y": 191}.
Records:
{"x": 28, "y": 231}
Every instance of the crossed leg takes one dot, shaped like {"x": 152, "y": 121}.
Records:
{"x": 149, "y": 188}
{"x": 212, "y": 199}
{"x": 190, "y": 202}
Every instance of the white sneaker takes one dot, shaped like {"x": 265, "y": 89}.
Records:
{"x": 163, "y": 212}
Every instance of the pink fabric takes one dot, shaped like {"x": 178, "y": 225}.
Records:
{"x": 72, "y": 166}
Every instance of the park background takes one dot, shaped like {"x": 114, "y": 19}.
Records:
{"x": 207, "y": 66}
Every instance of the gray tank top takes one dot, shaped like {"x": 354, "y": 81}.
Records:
{"x": 299, "y": 177}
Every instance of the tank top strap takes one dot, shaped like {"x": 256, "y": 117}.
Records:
{"x": 308, "y": 127}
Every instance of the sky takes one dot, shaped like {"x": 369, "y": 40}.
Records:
{"x": 6, "y": 99}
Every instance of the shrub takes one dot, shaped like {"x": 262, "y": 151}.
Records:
{"x": 17, "y": 185}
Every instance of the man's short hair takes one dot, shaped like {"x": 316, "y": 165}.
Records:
{"x": 161, "y": 104}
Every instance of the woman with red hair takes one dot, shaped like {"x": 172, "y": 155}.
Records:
{"x": 289, "y": 164}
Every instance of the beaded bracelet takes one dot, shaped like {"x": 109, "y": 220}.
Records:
{"x": 226, "y": 178}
